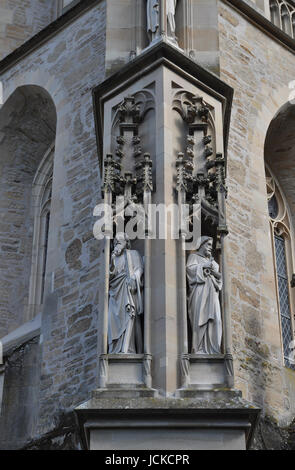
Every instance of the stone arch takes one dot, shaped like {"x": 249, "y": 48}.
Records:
{"x": 27, "y": 130}
{"x": 260, "y": 317}
{"x": 41, "y": 213}
{"x": 279, "y": 151}
{"x": 286, "y": 20}
{"x": 275, "y": 12}
{"x": 279, "y": 156}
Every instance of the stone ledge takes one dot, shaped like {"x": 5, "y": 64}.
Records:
{"x": 123, "y": 392}
{"x": 21, "y": 335}
{"x": 217, "y": 412}
{"x": 201, "y": 399}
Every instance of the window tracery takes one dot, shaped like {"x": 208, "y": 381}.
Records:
{"x": 41, "y": 194}
{"x": 281, "y": 232}
{"x": 282, "y": 14}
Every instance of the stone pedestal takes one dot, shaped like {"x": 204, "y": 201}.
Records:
{"x": 125, "y": 377}
{"x": 206, "y": 372}
{"x": 125, "y": 369}
{"x": 219, "y": 420}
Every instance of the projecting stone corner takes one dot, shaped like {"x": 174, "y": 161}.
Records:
{"x": 211, "y": 420}
{"x": 65, "y": 436}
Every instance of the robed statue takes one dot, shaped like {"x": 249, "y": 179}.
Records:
{"x": 170, "y": 11}
{"x": 204, "y": 286}
{"x": 153, "y": 18}
{"x": 125, "y": 298}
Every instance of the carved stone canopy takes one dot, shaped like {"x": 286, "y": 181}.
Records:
{"x": 160, "y": 54}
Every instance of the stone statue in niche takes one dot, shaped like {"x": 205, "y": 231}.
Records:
{"x": 153, "y": 18}
{"x": 170, "y": 10}
{"x": 204, "y": 286}
{"x": 125, "y": 298}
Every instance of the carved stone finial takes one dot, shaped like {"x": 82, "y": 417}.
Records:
{"x": 208, "y": 151}
{"x": 129, "y": 111}
{"x": 109, "y": 174}
{"x": 181, "y": 173}
{"x": 147, "y": 172}
{"x": 207, "y": 139}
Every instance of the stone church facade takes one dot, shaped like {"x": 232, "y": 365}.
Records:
{"x": 87, "y": 90}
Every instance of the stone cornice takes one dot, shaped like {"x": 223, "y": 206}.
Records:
{"x": 46, "y": 34}
{"x": 263, "y": 23}
{"x": 162, "y": 53}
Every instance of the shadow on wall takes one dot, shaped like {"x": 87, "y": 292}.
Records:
{"x": 27, "y": 130}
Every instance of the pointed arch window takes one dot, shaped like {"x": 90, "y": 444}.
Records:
{"x": 281, "y": 232}
{"x": 64, "y": 5}
{"x": 41, "y": 196}
{"x": 282, "y": 15}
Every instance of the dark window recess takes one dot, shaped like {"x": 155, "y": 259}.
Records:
{"x": 45, "y": 250}
{"x": 273, "y": 208}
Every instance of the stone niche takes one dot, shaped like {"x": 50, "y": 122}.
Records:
{"x": 160, "y": 95}
{"x": 196, "y": 31}
{"x": 151, "y": 117}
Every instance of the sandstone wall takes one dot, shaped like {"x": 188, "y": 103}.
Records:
{"x": 68, "y": 68}
{"x": 259, "y": 70}
{"x": 21, "y": 19}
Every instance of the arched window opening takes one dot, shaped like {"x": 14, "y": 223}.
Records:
{"x": 282, "y": 250}
{"x": 282, "y": 15}
{"x": 28, "y": 128}
{"x": 42, "y": 190}
{"x": 275, "y": 13}
{"x": 286, "y": 20}
{"x": 45, "y": 220}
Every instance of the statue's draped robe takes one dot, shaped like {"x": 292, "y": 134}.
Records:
{"x": 152, "y": 15}
{"x": 124, "y": 305}
{"x": 170, "y": 10}
{"x": 204, "y": 306}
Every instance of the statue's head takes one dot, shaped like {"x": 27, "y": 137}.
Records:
{"x": 205, "y": 246}
{"x": 121, "y": 242}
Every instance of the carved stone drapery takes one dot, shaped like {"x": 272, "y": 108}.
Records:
{"x": 125, "y": 298}
{"x": 161, "y": 19}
